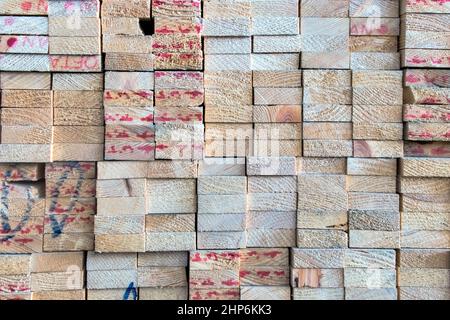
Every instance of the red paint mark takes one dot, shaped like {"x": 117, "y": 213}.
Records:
{"x": 426, "y": 116}
{"x": 26, "y": 6}
{"x": 232, "y": 293}
{"x": 23, "y": 241}
{"x": 146, "y": 148}
{"x": 244, "y": 273}
{"x": 87, "y": 166}
{"x": 148, "y": 118}
{"x": 410, "y": 78}
{"x": 196, "y": 296}
{"x": 230, "y": 283}
{"x": 143, "y": 94}
{"x": 212, "y": 256}
{"x": 145, "y": 135}
{"x": 196, "y": 257}
{"x": 207, "y": 282}
{"x": 439, "y": 151}
{"x": 161, "y": 147}
{"x": 416, "y": 60}
{"x": 272, "y": 254}
{"x": 126, "y": 118}
{"x": 11, "y": 42}
{"x": 263, "y": 274}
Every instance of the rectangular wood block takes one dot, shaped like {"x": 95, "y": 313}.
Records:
{"x": 25, "y": 153}
{"x": 318, "y": 294}
{"x": 77, "y": 81}
{"x": 74, "y": 45}
{"x": 86, "y": 27}
{"x": 426, "y": 167}
{"x": 121, "y": 206}
{"x": 278, "y": 96}
{"x": 221, "y": 240}
{"x": 270, "y": 238}
{"x": 265, "y": 292}
{"x": 374, "y": 239}
{"x": 162, "y": 277}
{"x": 120, "y": 243}
{"x": 317, "y": 278}
{"x": 318, "y": 258}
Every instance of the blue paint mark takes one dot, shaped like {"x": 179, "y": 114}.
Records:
{"x": 58, "y": 226}
{"x": 130, "y": 290}
{"x": 4, "y": 211}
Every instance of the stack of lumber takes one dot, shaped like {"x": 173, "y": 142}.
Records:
{"x": 131, "y": 276}
{"x": 58, "y": 276}
{"x": 111, "y": 276}
{"x": 74, "y": 36}
{"x": 277, "y": 82}
{"x": 316, "y": 266}
{"x": 26, "y": 132}
{"x": 232, "y": 29}
{"x": 370, "y": 274}
{"x": 424, "y": 36}
{"x": 172, "y": 128}
{"x": 222, "y": 207}
{"x": 178, "y": 114}
{"x": 426, "y": 112}
{"x": 146, "y": 206}
{"x": 374, "y": 218}
{"x": 171, "y": 200}
{"x": 327, "y": 131}
{"x": 15, "y": 276}
{"x": 325, "y": 34}
{"x": 39, "y": 124}
{"x": 425, "y": 44}
{"x": 264, "y": 274}
{"x": 245, "y": 274}
{"x": 163, "y": 276}
{"x": 214, "y": 275}
{"x": 272, "y": 202}
{"x": 317, "y": 274}
{"x": 277, "y": 113}
{"x": 129, "y": 130}
{"x": 70, "y": 206}
{"x": 75, "y": 51}
{"x": 228, "y": 113}
{"x": 121, "y": 207}
{"x": 126, "y": 48}
{"x": 424, "y": 185}
{"x": 24, "y": 29}
{"x": 423, "y": 274}
{"x": 78, "y": 117}
{"x": 177, "y": 42}
{"x": 322, "y": 274}
{"x": 423, "y": 269}
{"x": 179, "y": 95}
{"x": 322, "y": 204}
{"x": 425, "y": 203}
{"x": 327, "y": 93}
{"x": 22, "y": 208}
{"x": 129, "y": 84}
{"x": 376, "y": 82}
